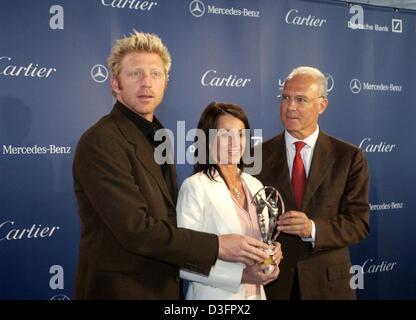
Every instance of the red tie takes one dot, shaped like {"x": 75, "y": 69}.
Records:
{"x": 298, "y": 175}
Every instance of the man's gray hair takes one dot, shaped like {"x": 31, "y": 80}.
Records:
{"x": 311, "y": 71}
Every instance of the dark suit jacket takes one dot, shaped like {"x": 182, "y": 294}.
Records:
{"x": 336, "y": 199}
{"x": 130, "y": 247}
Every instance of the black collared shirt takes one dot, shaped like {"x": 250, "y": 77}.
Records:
{"x": 148, "y": 129}
{"x": 145, "y": 126}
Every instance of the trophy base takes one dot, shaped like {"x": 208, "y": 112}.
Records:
{"x": 270, "y": 269}
{"x": 270, "y": 266}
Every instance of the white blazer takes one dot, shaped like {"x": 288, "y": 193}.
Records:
{"x": 206, "y": 205}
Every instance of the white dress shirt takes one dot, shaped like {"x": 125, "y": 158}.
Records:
{"x": 306, "y": 154}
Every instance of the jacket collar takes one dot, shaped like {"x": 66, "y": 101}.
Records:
{"x": 278, "y": 167}
{"x": 220, "y": 198}
{"x": 144, "y": 151}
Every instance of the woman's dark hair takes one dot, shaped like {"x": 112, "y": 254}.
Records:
{"x": 209, "y": 120}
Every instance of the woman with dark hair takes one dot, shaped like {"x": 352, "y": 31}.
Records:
{"x": 217, "y": 199}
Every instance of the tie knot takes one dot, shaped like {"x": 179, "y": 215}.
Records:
{"x": 299, "y": 145}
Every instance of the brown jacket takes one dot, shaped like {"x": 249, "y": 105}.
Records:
{"x": 130, "y": 247}
{"x": 336, "y": 199}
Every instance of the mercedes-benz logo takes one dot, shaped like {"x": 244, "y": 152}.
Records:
{"x": 197, "y": 8}
{"x": 330, "y": 81}
{"x": 60, "y": 297}
{"x": 99, "y": 73}
{"x": 355, "y": 86}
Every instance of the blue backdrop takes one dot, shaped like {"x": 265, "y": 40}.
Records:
{"x": 53, "y": 86}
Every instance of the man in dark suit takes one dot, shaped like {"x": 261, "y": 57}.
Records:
{"x": 325, "y": 184}
{"x": 130, "y": 247}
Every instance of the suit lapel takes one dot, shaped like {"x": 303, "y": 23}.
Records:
{"x": 321, "y": 162}
{"x": 221, "y": 200}
{"x": 144, "y": 152}
{"x": 173, "y": 180}
{"x": 278, "y": 170}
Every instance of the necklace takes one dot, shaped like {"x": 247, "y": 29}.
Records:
{"x": 237, "y": 192}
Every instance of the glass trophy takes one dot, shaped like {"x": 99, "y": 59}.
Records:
{"x": 268, "y": 202}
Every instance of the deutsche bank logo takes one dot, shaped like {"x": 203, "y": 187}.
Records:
{"x": 330, "y": 81}
{"x": 355, "y": 86}
{"x": 197, "y": 8}
{"x": 99, "y": 73}
{"x": 397, "y": 25}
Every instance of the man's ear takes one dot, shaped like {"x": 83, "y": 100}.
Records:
{"x": 323, "y": 105}
{"x": 115, "y": 85}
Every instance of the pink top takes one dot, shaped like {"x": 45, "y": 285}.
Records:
{"x": 249, "y": 227}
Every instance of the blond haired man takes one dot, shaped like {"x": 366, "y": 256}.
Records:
{"x": 130, "y": 247}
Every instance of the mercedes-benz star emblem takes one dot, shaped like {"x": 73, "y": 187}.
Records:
{"x": 197, "y": 8}
{"x": 330, "y": 81}
{"x": 99, "y": 73}
{"x": 355, "y": 86}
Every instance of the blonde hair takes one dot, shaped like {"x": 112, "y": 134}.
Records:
{"x": 311, "y": 71}
{"x": 141, "y": 42}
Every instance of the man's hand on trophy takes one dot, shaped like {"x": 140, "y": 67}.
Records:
{"x": 258, "y": 274}
{"x": 239, "y": 248}
{"x": 295, "y": 222}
